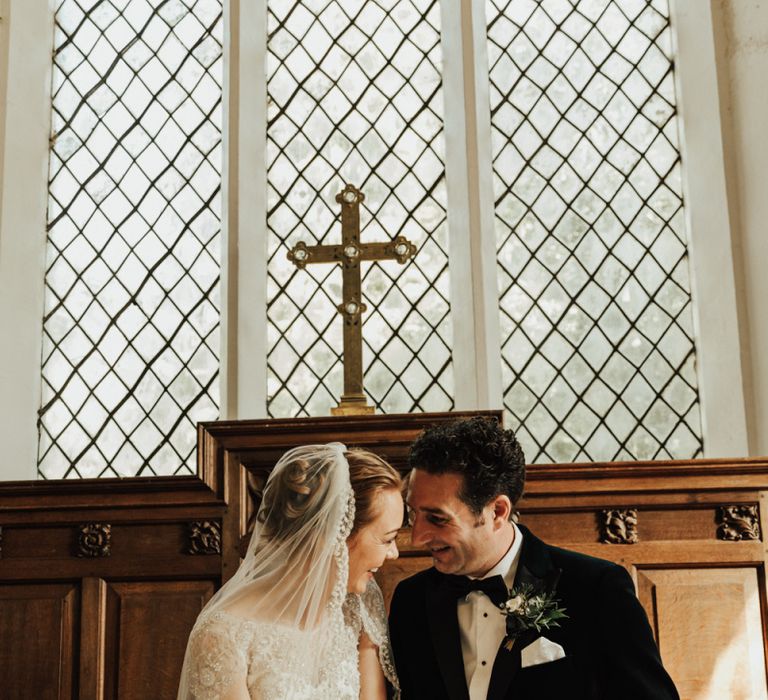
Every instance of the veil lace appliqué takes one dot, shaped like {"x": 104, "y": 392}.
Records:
{"x": 367, "y": 612}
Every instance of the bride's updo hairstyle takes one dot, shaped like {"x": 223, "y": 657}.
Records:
{"x": 291, "y": 496}
{"x": 296, "y": 493}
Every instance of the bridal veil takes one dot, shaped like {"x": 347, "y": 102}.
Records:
{"x": 287, "y": 607}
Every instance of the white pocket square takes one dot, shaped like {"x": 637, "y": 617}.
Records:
{"x": 540, "y": 651}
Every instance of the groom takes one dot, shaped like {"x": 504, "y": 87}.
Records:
{"x": 450, "y": 639}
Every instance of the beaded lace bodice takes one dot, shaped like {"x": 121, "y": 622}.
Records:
{"x": 225, "y": 649}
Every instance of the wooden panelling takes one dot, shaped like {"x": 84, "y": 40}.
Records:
{"x": 678, "y": 524}
{"x": 674, "y": 523}
{"x": 31, "y": 542}
{"x": 147, "y": 540}
{"x": 127, "y": 628}
{"x": 147, "y": 625}
{"x": 709, "y": 631}
{"x": 93, "y": 625}
{"x": 39, "y": 640}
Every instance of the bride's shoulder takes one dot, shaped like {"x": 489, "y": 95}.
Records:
{"x": 221, "y": 631}
{"x": 216, "y": 630}
{"x": 216, "y": 654}
{"x": 226, "y": 629}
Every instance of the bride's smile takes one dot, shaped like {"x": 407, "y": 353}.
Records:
{"x": 374, "y": 543}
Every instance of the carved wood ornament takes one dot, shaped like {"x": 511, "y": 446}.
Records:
{"x": 738, "y": 523}
{"x": 94, "y": 540}
{"x": 618, "y": 526}
{"x": 204, "y": 537}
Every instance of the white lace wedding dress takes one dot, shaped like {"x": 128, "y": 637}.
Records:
{"x": 225, "y": 647}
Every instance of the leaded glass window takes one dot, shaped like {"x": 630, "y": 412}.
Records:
{"x": 355, "y": 96}
{"x": 598, "y": 345}
{"x": 130, "y": 328}
{"x": 598, "y": 351}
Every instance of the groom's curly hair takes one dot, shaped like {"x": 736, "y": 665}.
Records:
{"x": 489, "y": 458}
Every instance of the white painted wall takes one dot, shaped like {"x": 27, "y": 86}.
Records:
{"x": 3, "y": 78}
{"x": 741, "y": 41}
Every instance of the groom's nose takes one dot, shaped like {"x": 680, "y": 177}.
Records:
{"x": 420, "y": 532}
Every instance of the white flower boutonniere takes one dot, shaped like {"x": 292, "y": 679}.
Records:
{"x": 528, "y": 609}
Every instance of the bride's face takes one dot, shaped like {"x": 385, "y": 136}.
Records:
{"x": 374, "y": 543}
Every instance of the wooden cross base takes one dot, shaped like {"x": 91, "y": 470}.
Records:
{"x": 352, "y": 405}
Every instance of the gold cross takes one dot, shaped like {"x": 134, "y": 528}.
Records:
{"x": 350, "y": 254}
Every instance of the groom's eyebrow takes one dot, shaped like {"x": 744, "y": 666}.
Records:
{"x": 433, "y": 511}
{"x": 427, "y": 509}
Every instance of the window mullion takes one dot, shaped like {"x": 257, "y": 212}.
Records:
{"x": 474, "y": 296}
{"x": 29, "y": 33}
{"x": 721, "y": 384}
{"x": 244, "y": 232}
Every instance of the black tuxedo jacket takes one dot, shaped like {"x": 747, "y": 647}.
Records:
{"x": 610, "y": 653}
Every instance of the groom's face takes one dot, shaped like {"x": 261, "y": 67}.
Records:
{"x": 458, "y": 539}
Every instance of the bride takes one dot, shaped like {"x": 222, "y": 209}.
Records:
{"x": 303, "y": 618}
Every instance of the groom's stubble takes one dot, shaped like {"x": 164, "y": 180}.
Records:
{"x": 459, "y": 540}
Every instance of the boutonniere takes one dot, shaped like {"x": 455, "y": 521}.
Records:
{"x": 529, "y": 609}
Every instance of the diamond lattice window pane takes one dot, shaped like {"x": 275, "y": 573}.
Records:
{"x": 355, "y": 96}
{"x": 598, "y": 348}
{"x": 130, "y": 328}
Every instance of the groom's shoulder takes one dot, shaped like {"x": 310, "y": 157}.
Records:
{"x": 578, "y": 563}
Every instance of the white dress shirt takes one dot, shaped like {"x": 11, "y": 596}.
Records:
{"x": 482, "y": 626}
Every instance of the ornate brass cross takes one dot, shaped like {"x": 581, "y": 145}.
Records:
{"x": 350, "y": 254}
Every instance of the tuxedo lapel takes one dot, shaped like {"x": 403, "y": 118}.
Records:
{"x": 536, "y": 569}
{"x": 444, "y": 630}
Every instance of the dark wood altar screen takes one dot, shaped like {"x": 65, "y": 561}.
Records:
{"x": 100, "y": 581}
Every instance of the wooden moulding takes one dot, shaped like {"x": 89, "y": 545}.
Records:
{"x": 61, "y": 495}
{"x": 681, "y": 477}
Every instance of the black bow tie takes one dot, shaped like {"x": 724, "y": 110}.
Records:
{"x": 493, "y": 587}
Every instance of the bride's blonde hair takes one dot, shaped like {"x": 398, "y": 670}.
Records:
{"x": 369, "y": 475}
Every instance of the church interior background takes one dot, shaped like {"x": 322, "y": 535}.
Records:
{"x": 582, "y": 182}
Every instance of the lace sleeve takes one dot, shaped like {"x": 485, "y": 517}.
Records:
{"x": 373, "y": 618}
{"x": 215, "y": 664}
